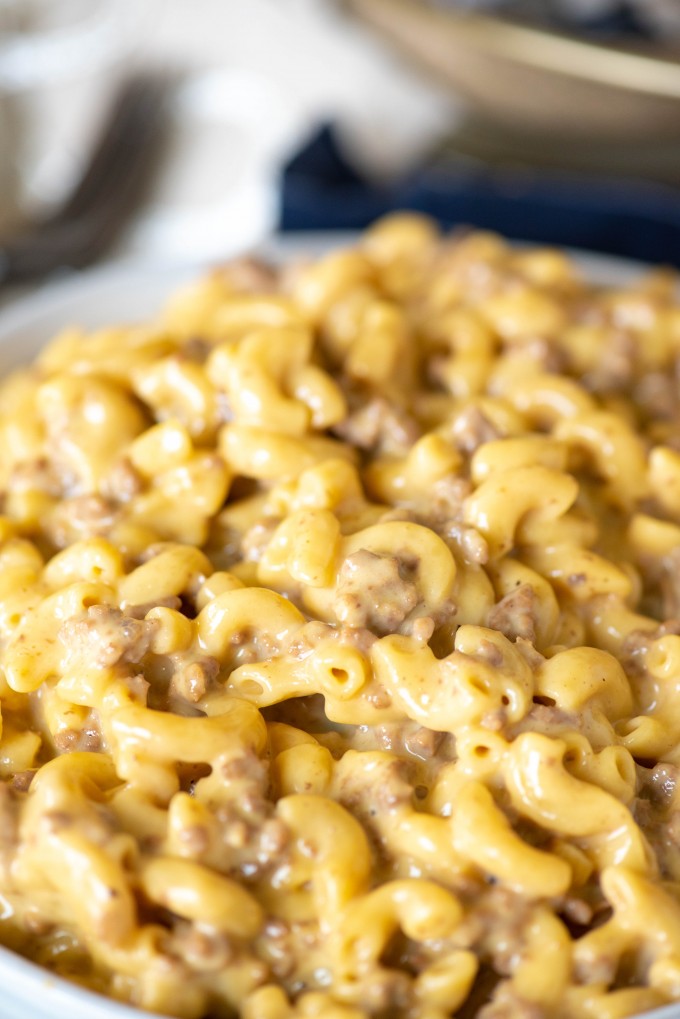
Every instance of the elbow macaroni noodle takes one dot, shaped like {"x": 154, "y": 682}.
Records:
{"x": 340, "y": 622}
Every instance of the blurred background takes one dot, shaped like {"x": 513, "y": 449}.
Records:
{"x": 548, "y": 120}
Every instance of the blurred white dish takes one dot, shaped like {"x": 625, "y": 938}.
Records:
{"x": 30, "y": 992}
{"x": 131, "y": 290}
{"x": 95, "y": 298}
{"x": 100, "y": 296}
{"x": 117, "y": 292}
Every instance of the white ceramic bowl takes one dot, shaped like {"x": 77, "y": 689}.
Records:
{"x": 96, "y": 298}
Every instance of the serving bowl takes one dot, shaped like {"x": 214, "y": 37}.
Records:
{"x": 93, "y": 299}
{"x": 531, "y": 78}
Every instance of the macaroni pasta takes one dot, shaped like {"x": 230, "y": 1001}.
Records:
{"x": 340, "y": 622}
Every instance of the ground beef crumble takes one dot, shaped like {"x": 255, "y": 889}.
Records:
{"x": 105, "y": 637}
{"x": 374, "y": 591}
{"x": 516, "y": 614}
{"x": 380, "y": 426}
{"x": 472, "y": 428}
{"x": 85, "y": 516}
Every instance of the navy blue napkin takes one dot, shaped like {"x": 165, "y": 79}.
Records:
{"x": 321, "y": 190}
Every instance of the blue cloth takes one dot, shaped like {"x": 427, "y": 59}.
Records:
{"x": 321, "y": 190}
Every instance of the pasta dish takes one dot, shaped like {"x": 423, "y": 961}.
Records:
{"x": 340, "y": 641}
